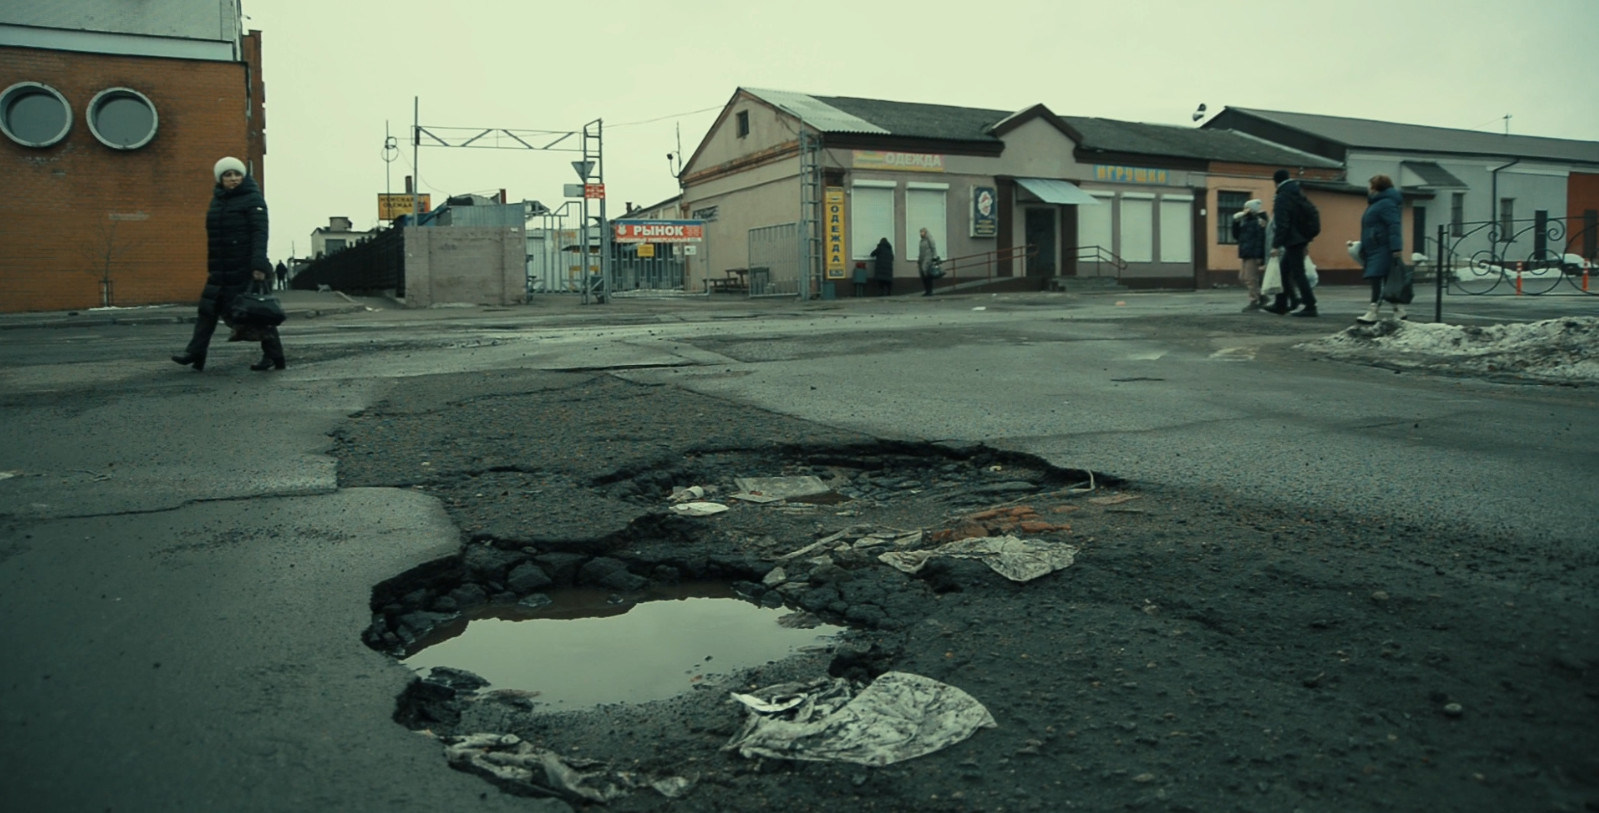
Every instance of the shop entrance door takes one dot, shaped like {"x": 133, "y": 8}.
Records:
{"x": 1040, "y": 234}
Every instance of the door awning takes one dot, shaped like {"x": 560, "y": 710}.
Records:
{"x": 1050, "y": 190}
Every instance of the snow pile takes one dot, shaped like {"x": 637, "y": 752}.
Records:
{"x": 1563, "y": 351}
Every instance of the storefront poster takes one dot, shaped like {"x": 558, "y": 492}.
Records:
{"x": 985, "y": 222}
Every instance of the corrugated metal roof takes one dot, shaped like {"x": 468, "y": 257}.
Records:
{"x": 844, "y": 114}
{"x": 1390, "y": 135}
{"x": 816, "y": 112}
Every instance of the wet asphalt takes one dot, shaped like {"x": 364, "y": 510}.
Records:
{"x": 185, "y": 584}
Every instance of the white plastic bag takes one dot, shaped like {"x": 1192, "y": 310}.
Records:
{"x": 1310, "y": 273}
{"x": 1271, "y": 283}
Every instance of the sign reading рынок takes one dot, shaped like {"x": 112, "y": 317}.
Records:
{"x": 659, "y": 231}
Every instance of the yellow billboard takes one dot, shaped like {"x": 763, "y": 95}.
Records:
{"x": 391, "y": 206}
{"x": 833, "y": 231}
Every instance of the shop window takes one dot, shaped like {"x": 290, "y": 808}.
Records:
{"x": 34, "y": 115}
{"x": 1094, "y": 226}
{"x": 1227, "y": 205}
{"x": 925, "y": 208}
{"x": 122, "y": 118}
{"x": 1177, "y": 229}
{"x": 1138, "y": 228}
{"x": 871, "y": 218}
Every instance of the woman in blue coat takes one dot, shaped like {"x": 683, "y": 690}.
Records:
{"x": 1381, "y": 243}
{"x": 236, "y": 253}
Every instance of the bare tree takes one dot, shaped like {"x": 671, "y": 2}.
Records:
{"x": 111, "y": 244}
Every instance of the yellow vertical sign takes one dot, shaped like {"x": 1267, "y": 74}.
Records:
{"x": 833, "y": 231}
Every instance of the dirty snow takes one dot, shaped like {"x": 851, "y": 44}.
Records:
{"x": 1560, "y": 351}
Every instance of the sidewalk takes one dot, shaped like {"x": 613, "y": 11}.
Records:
{"x": 1338, "y": 302}
{"x": 298, "y": 304}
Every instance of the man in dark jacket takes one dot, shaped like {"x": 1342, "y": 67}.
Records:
{"x": 1249, "y": 232}
{"x": 1290, "y": 242}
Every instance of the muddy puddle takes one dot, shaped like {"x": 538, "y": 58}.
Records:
{"x": 586, "y": 647}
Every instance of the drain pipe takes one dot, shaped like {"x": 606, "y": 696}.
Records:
{"x": 1493, "y": 205}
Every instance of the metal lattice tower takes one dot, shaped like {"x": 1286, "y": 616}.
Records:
{"x": 810, "y": 231}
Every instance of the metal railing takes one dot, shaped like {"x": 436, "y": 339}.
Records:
{"x": 1100, "y": 257}
{"x": 981, "y": 267}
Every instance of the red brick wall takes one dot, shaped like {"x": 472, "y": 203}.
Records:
{"x": 54, "y": 224}
{"x": 1582, "y": 194}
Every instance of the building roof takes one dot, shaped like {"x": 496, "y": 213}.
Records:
{"x": 1432, "y": 175}
{"x": 844, "y": 114}
{"x": 1388, "y": 135}
{"x": 1110, "y": 135}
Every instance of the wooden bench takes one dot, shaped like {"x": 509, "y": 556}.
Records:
{"x": 736, "y": 281}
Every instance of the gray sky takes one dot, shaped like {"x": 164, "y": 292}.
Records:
{"x": 337, "y": 71}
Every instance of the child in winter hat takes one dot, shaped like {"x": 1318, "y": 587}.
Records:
{"x": 226, "y": 164}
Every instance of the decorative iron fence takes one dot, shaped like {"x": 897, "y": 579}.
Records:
{"x": 1540, "y": 256}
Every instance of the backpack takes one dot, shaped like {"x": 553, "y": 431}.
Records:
{"x": 1309, "y": 218}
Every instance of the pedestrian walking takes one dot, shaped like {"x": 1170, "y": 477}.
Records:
{"x": 282, "y": 273}
{"x": 1296, "y": 222}
{"x": 927, "y": 262}
{"x": 883, "y": 267}
{"x": 236, "y": 253}
{"x": 1382, "y": 243}
{"x": 1249, "y": 232}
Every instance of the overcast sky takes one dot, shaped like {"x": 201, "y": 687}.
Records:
{"x": 338, "y": 72}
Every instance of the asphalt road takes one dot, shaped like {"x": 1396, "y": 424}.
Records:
{"x": 185, "y": 585}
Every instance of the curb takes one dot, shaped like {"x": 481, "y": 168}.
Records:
{"x": 23, "y": 323}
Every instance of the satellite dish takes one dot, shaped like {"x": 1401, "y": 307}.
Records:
{"x": 1200, "y": 113}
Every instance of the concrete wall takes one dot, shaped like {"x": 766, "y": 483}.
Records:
{"x": 477, "y": 265}
{"x": 58, "y": 227}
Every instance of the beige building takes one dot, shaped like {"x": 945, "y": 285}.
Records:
{"x": 796, "y": 190}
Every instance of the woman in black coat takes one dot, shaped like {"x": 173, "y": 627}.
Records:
{"x": 883, "y": 267}
{"x": 236, "y": 241}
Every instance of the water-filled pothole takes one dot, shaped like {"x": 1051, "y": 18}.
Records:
{"x": 585, "y": 648}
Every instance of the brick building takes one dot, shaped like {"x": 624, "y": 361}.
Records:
{"x": 111, "y": 116}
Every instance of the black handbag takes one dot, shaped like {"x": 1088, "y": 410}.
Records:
{"x": 1398, "y": 287}
{"x": 256, "y": 308}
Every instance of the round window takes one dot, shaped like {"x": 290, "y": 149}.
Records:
{"x": 34, "y": 115}
{"x": 122, "y": 118}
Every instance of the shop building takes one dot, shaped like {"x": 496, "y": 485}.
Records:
{"x": 1019, "y": 200}
{"x": 1465, "y": 180}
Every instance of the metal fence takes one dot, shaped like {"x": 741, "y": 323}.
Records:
{"x": 374, "y": 266}
{"x": 776, "y": 263}
{"x": 1540, "y": 256}
{"x": 660, "y": 272}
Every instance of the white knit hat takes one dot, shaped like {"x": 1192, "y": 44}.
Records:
{"x": 1253, "y": 205}
{"x": 226, "y": 164}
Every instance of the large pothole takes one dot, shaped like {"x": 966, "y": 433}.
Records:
{"x": 859, "y": 538}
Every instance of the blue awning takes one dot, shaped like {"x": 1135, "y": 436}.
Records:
{"x": 1050, "y": 190}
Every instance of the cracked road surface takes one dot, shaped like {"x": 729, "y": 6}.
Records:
{"x": 186, "y": 584}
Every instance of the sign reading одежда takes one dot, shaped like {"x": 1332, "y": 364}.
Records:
{"x": 833, "y": 230}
